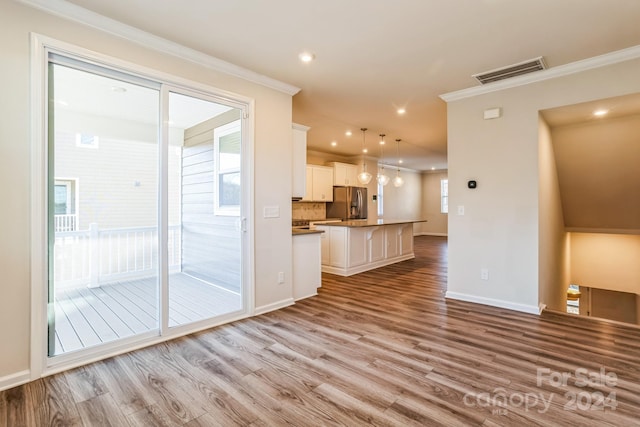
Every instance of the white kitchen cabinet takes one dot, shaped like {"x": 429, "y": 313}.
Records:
{"x": 392, "y": 240}
{"x": 357, "y": 247}
{"x": 319, "y": 184}
{"x": 325, "y": 247}
{"x": 338, "y": 247}
{"x": 299, "y": 159}
{"x": 406, "y": 239}
{"x": 307, "y": 274}
{"x": 308, "y": 192}
{"x": 344, "y": 174}
{"x": 376, "y": 241}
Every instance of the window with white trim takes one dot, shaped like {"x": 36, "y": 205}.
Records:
{"x": 65, "y": 204}
{"x": 444, "y": 196}
{"x": 87, "y": 141}
{"x": 227, "y": 140}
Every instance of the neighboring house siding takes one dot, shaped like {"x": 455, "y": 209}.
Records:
{"x": 210, "y": 243}
{"x": 117, "y": 182}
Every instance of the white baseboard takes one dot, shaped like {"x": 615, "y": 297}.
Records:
{"x": 14, "y": 380}
{"x": 306, "y": 296}
{"x": 350, "y": 271}
{"x": 531, "y": 309}
{"x": 273, "y": 306}
{"x": 424, "y": 233}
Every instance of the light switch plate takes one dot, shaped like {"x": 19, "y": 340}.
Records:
{"x": 272, "y": 212}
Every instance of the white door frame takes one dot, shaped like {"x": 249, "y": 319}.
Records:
{"x": 40, "y": 364}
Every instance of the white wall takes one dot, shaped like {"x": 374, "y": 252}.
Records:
{"x": 403, "y": 202}
{"x": 599, "y": 176}
{"x": 554, "y": 241}
{"x": 436, "y": 221}
{"x": 606, "y": 261}
{"x": 500, "y": 228}
{"x": 272, "y": 176}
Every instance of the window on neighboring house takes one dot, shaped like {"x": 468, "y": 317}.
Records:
{"x": 444, "y": 196}
{"x": 228, "y": 155}
{"x": 87, "y": 141}
{"x": 64, "y": 205}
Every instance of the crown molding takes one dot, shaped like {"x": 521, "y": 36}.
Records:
{"x": 69, "y": 11}
{"x": 550, "y": 73}
{"x": 298, "y": 126}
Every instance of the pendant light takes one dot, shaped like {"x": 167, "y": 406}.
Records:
{"x": 398, "y": 181}
{"x": 364, "y": 177}
{"x": 382, "y": 178}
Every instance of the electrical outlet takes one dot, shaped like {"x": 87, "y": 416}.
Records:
{"x": 461, "y": 210}
{"x": 281, "y": 277}
{"x": 484, "y": 274}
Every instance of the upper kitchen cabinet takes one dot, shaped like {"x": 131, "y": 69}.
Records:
{"x": 344, "y": 174}
{"x": 299, "y": 150}
{"x": 319, "y": 185}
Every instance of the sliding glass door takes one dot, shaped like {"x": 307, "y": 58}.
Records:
{"x": 144, "y": 215}
{"x": 103, "y": 209}
{"x": 204, "y": 206}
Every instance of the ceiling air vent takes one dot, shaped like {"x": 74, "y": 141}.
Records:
{"x": 524, "y": 67}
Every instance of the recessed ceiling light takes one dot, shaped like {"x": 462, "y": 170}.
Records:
{"x": 348, "y": 133}
{"x": 600, "y": 113}
{"x": 306, "y": 57}
{"x": 333, "y": 143}
{"x": 401, "y": 111}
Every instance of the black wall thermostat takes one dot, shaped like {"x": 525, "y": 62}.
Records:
{"x": 472, "y": 184}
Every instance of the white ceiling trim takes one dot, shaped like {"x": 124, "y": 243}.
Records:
{"x": 550, "y": 73}
{"x": 83, "y": 16}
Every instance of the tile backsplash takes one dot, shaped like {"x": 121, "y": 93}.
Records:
{"x": 308, "y": 210}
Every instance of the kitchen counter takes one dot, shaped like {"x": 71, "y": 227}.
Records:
{"x": 303, "y": 231}
{"x": 351, "y": 247}
{"x": 372, "y": 222}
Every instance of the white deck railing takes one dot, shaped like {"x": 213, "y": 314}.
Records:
{"x": 93, "y": 257}
{"x": 66, "y": 222}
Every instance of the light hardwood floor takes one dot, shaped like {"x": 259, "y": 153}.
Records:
{"x": 378, "y": 348}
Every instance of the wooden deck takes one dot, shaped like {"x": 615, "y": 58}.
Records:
{"x": 89, "y": 316}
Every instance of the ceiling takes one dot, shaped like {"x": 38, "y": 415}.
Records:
{"x": 373, "y": 56}
{"x": 106, "y": 96}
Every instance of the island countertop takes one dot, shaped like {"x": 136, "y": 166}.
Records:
{"x": 371, "y": 222}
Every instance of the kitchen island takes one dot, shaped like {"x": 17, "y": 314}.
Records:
{"x": 351, "y": 247}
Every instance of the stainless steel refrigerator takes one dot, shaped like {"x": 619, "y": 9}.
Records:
{"x": 348, "y": 203}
